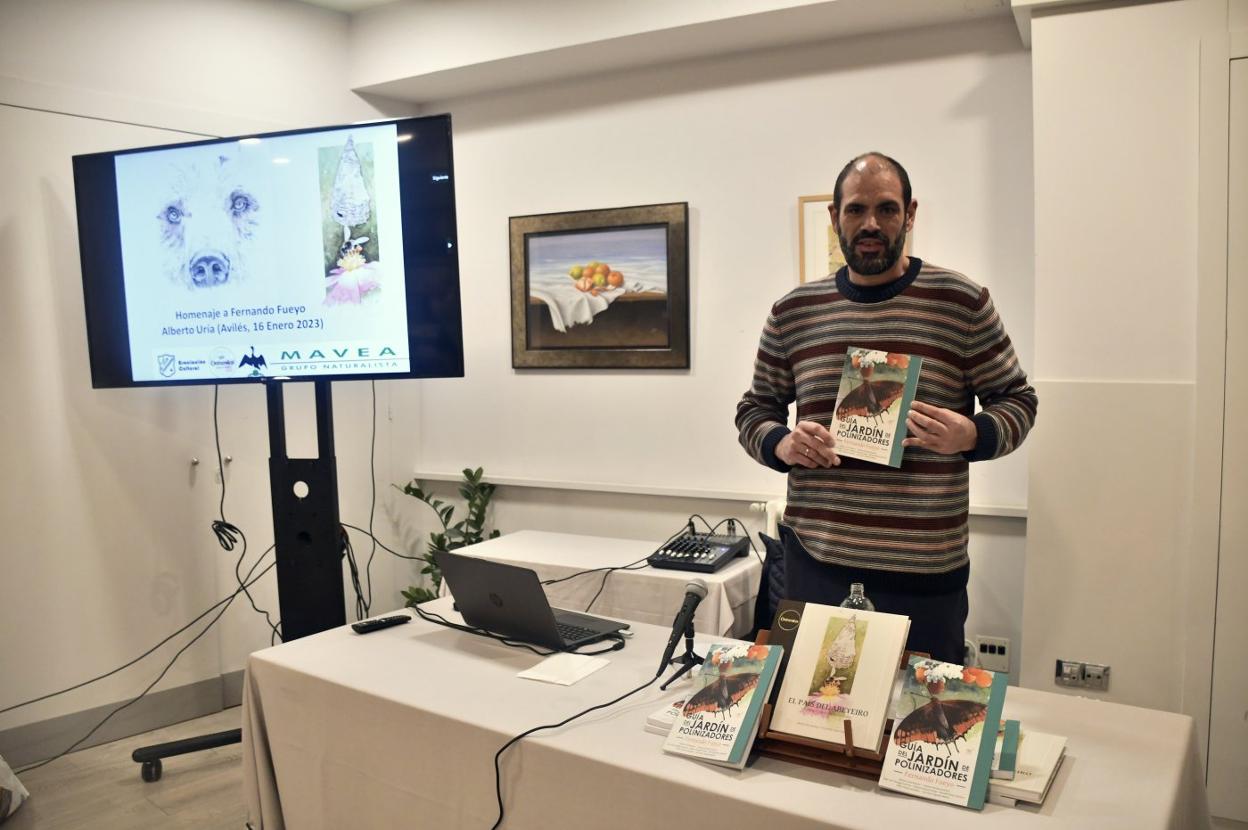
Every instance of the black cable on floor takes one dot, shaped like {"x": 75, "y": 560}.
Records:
{"x": 159, "y": 677}
{"x": 151, "y": 650}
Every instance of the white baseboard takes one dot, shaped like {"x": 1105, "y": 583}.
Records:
{"x": 34, "y": 742}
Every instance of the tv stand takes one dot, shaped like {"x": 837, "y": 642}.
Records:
{"x": 307, "y": 535}
{"x": 306, "y": 527}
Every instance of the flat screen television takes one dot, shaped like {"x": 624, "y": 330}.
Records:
{"x": 318, "y": 254}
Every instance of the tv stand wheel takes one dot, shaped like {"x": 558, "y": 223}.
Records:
{"x": 151, "y": 770}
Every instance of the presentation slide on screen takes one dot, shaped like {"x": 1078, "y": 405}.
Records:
{"x": 277, "y": 257}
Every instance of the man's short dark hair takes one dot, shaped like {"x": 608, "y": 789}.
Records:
{"x": 891, "y": 162}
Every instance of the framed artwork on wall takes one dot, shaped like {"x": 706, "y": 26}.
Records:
{"x": 601, "y": 289}
{"x": 818, "y": 250}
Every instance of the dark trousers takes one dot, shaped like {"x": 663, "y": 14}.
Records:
{"x": 937, "y": 621}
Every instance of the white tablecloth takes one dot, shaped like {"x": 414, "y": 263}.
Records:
{"x": 650, "y": 595}
{"x": 398, "y": 729}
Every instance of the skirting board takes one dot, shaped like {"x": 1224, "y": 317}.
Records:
{"x": 35, "y": 742}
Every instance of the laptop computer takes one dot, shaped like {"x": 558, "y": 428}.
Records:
{"x": 509, "y": 600}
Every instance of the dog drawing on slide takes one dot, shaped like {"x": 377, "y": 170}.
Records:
{"x": 208, "y": 223}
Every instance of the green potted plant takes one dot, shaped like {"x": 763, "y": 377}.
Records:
{"x": 467, "y": 531}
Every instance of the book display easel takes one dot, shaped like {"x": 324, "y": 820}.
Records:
{"x": 847, "y": 758}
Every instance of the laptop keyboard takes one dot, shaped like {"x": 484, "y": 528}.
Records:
{"x": 572, "y": 633}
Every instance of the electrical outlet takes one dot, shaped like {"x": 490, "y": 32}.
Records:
{"x": 1096, "y": 676}
{"x": 994, "y": 653}
{"x": 1083, "y": 675}
{"x": 1069, "y": 673}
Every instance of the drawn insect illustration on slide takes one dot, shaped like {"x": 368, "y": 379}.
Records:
{"x": 349, "y": 220}
{"x": 873, "y": 398}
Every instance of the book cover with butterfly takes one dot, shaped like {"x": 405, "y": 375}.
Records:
{"x": 877, "y": 388}
{"x": 840, "y": 669}
{"x": 943, "y": 740}
{"x": 719, "y": 720}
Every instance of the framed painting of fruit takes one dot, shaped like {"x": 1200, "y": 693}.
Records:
{"x": 601, "y": 289}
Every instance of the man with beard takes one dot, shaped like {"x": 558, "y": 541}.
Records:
{"x": 901, "y": 532}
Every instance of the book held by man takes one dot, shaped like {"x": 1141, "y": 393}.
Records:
{"x": 877, "y": 388}
{"x": 719, "y": 719}
{"x": 840, "y": 670}
{"x": 942, "y": 745}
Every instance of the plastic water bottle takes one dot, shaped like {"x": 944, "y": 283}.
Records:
{"x": 857, "y": 599}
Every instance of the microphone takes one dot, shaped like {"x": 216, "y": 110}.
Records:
{"x": 695, "y": 590}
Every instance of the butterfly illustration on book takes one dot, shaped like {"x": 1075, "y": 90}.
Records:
{"x": 871, "y": 400}
{"x": 940, "y": 722}
{"x": 874, "y": 397}
{"x": 721, "y": 694}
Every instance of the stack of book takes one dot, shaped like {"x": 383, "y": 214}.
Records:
{"x": 1025, "y": 773}
{"x": 718, "y": 721}
{"x": 942, "y": 743}
{"x": 943, "y": 748}
{"x": 660, "y": 720}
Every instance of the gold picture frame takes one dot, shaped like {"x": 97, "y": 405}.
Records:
{"x": 645, "y": 324}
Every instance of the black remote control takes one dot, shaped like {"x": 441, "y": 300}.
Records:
{"x": 365, "y": 626}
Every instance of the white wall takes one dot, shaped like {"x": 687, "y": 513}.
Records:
{"x": 1109, "y": 543}
{"x": 108, "y": 545}
{"x": 739, "y": 139}
{"x": 276, "y": 61}
{"x": 1237, "y": 15}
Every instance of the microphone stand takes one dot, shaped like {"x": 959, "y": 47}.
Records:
{"x": 687, "y": 660}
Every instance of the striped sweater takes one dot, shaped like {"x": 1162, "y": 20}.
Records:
{"x": 910, "y": 521}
